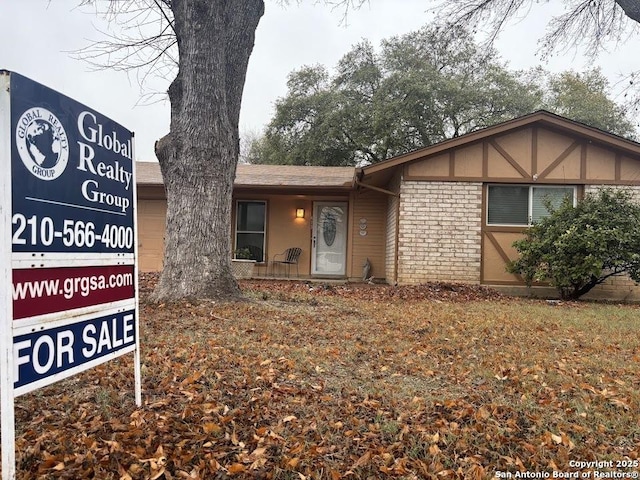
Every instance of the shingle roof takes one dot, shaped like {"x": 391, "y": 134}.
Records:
{"x": 148, "y": 173}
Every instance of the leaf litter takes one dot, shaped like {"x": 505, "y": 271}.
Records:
{"x": 330, "y": 381}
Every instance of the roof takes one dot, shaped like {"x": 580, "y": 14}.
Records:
{"x": 342, "y": 178}
{"x": 148, "y": 173}
{"x": 541, "y": 117}
{"x": 286, "y": 176}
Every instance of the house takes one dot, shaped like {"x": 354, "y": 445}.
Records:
{"x": 274, "y": 208}
{"x": 448, "y": 212}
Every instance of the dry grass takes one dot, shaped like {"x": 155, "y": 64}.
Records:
{"x": 369, "y": 382}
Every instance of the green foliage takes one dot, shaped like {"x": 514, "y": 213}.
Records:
{"x": 577, "y": 248}
{"x": 583, "y": 97}
{"x": 420, "y": 89}
{"x": 243, "y": 254}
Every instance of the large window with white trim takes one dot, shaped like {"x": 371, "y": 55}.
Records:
{"x": 524, "y": 205}
{"x": 250, "y": 229}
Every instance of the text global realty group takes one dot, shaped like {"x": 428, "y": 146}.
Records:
{"x": 94, "y": 133}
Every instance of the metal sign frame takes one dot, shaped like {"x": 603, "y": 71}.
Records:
{"x": 68, "y": 244}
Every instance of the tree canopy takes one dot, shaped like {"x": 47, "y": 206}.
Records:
{"x": 418, "y": 89}
{"x": 584, "y": 97}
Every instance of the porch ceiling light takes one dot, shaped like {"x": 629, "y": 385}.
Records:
{"x": 299, "y": 212}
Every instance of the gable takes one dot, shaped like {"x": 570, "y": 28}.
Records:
{"x": 534, "y": 153}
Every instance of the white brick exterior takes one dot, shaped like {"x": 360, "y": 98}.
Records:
{"x": 392, "y": 221}
{"x": 439, "y": 236}
{"x": 635, "y": 191}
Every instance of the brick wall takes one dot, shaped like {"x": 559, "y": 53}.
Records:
{"x": 392, "y": 215}
{"x": 439, "y": 234}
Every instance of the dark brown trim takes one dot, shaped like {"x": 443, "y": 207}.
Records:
{"x": 496, "y": 180}
{"x": 151, "y": 192}
{"x": 452, "y": 163}
{"x": 485, "y": 159}
{"x": 485, "y": 194}
{"x": 377, "y": 189}
{"x": 509, "y": 159}
{"x": 514, "y": 283}
{"x": 583, "y": 161}
{"x": 351, "y": 230}
{"x": 504, "y": 229}
{"x": 534, "y": 150}
{"x": 559, "y": 160}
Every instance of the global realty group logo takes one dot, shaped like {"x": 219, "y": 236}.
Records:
{"x": 42, "y": 143}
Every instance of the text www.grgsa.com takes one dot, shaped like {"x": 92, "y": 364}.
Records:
{"x": 70, "y": 287}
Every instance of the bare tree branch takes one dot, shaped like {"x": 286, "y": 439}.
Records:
{"x": 593, "y": 23}
{"x": 143, "y": 37}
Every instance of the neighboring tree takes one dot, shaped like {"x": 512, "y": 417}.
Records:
{"x": 422, "y": 88}
{"x": 583, "y": 97}
{"x": 576, "y": 248}
{"x": 247, "y": 138}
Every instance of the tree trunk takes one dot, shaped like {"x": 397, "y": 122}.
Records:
{"x": 198, "y": 157}
{"x": 631, "y": 9}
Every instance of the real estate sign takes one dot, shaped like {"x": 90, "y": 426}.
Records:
{"x": 67, "y": 243}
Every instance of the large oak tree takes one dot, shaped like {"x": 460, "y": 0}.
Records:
{"x": 208, "y": 43}
{"x": 199, "y": 155}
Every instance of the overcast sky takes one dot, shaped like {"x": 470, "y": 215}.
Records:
{"x": 37, "y": 36}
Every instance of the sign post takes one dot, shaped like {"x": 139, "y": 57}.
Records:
{"x": 68, "y": 250}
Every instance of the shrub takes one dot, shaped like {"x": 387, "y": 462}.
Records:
{"x": 576, "y": 248}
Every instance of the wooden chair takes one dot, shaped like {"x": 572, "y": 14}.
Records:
{"x": 289, "y": 257}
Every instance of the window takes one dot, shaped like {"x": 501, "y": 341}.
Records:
{"x": 523, "y": 204}
{"x": 250, "y": 228}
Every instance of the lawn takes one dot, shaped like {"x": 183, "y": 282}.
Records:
{"x": 342, "y": 381}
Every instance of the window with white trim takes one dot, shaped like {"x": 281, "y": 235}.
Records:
{"x": 524, "y": 205}
{"x": 250, "y": 228}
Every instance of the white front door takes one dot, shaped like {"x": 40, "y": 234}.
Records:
{"x": 329, "y": 255}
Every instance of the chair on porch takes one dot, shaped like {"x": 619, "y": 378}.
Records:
{"x": 287, "y": 258}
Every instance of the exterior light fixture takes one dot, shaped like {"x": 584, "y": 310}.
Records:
{"x": 299, "y": 212}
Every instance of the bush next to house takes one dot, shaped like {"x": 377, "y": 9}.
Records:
{"x": 576, "y": 248}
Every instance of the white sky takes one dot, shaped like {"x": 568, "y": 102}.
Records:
{"x": 36, "y": 36}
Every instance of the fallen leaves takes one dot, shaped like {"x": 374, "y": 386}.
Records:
{"x": 307, "y": 381}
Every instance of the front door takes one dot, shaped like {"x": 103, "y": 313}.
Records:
{"x": 329, "y": 245}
